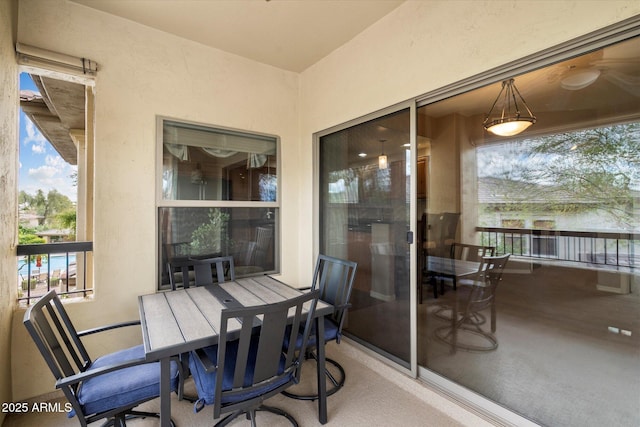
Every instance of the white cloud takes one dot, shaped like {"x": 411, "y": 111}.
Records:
{"x": 34, "y": 138}
{"x": 54, "y": 174}
{"x": 43, "y": 173}
{"x": 56, "y": 162}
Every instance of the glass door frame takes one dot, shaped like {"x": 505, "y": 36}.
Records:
{"x": 411, "y": 106}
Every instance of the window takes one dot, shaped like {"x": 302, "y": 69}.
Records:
{"x": 56, "y": 174}
{"x": 218, "y": 196}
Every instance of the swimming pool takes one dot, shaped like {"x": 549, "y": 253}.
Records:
{"x": 58, "y": 262}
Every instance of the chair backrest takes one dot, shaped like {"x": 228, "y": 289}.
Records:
{"x": 199, "y": 272}
{"x": 466, "y": 252}
{"x": 441, "y": 232}
{"x": 494, "y": 268}
{"x": 489, "y": 275}
{"x": 57, "y": 340}
{"x": 334, "y": 278}
{"x": 261, "y": 367}
{"x": 263, "y": 244}
{"x": 244, "y": 253}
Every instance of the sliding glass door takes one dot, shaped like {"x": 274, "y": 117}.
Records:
{"x": 558, "y": 340}
{"x": 364, "y": 196}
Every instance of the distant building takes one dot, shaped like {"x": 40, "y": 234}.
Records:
{"x": 52, "y": 236}
{"x": 30, "y": 220}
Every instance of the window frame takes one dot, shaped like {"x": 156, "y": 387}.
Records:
{"x": 165, "y": 203}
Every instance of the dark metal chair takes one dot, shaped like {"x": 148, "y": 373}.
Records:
{"x": 468, "y": 252}
{"x": 249, "y": 365}
{"x": 334, "y": 278}
{"x": 109, "y": 387}
{"x": 199, "y": 272}
{"x": 437, "y": 234}
{"x": 474, "y": 296}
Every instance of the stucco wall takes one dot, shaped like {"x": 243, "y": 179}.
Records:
{"x": 144, "y": 73}
{"x": 8, "y": 174}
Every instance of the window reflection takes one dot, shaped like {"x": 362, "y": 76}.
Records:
{"x": 248, "y": 234}
{"x": 562, "y": 200}
{"x": 205, "y": 163}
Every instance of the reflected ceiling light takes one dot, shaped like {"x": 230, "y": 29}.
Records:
{"x": 382, "y": 158}
{"x": 579, "y": 79}
{"x": 362, "y": 154}
{"x": 508, "y": 120}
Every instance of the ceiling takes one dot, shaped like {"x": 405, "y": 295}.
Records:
{"x": 291, "y": 35}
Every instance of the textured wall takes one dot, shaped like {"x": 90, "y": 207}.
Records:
{"x": 8, "y": 196}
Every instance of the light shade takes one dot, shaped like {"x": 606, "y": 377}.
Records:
{"x": 382, "y": 161}
{"x": 508, "y": 119}
{"x": 580, "y": 79}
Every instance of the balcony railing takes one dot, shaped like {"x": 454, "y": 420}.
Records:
{"x": 60, "y": 266}
{"x": 602, "y": 248}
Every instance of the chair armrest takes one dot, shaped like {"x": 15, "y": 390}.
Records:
{"x": 108, "y": 327}
{"x": 82, "y": 376}
{"x": 208, "y": 366}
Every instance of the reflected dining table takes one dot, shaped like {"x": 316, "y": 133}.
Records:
{"x": 450, "y": 267}
{"x": 176, "y": 322}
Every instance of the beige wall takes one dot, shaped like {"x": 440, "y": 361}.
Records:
{"x": 143, "y": 73}
{"x": 8, "y": 175}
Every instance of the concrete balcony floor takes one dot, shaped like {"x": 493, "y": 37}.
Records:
{"x": 374, "y": 394}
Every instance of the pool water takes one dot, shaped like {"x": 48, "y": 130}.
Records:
{"x": 58, "y": 262}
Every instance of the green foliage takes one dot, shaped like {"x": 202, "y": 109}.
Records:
{"x": 67, "y": 220}
{"x": 211, "y": 237}
{"x": 48, "y": 206}
{"x": 586, "y": 170}
{"x": 27, "y": 236}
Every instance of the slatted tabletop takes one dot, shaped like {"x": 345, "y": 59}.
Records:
{"x": 179, "y": 321}
{"x": 452, "y": 267}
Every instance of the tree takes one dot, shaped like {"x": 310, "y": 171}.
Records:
{"x": 48, "y": 206}
{"x": 27, "y": 236}
{"x": 67, "y": 220}
{"x": 589, "y": 169}
{"x": 598, "y": 166}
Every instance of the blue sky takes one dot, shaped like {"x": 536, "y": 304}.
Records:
{"x": 41, "y": 167}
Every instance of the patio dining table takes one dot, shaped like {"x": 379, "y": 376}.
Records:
{"x": 180, "y": 321}
{"x": 450, "y": 268}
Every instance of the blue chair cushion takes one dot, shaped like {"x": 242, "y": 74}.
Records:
{"x": 330, "y": 334}
{"x": 206, "y": 381}
{"x": 124, "y": 387}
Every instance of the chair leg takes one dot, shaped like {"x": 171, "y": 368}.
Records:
{"x": 251, "y": 415}
{"x": 337, "y": 382}
{"x": 278, "y": 411}
{"x": 121, "y": 419}
{"x": 226, "y": 420}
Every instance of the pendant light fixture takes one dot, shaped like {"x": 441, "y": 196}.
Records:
{"x": 382, "y": 158}
{"x": 508, "y": 119}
